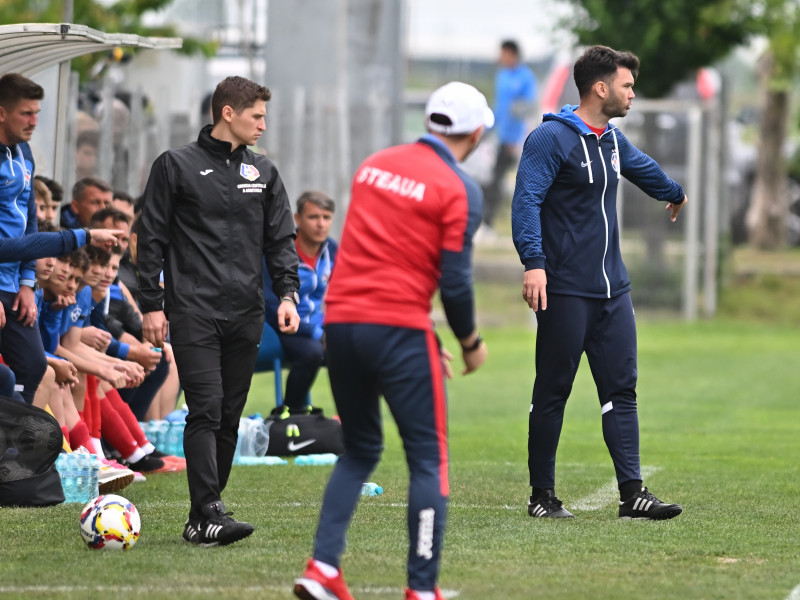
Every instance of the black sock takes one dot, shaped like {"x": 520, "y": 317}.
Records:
{"x": 629, "y": 488}
{"x": 537, "y": 493}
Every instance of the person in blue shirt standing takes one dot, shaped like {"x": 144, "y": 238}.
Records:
{"x": 317, "y": 253}
{"x": 565, "y": 229}
{"x": 515, "y": 94}
{"x": 20, "y": 343}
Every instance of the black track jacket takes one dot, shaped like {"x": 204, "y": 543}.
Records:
{"x": 209, "y": 216}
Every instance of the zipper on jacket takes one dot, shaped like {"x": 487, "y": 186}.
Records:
{"x": 605, "y": 216}
{"x": 229, "y": 252}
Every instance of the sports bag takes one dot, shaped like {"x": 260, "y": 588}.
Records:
{"x": 30, "y": 441}
{"x": 304, "y": 434}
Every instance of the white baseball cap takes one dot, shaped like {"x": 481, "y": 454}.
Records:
{"x": 462, "y": 105}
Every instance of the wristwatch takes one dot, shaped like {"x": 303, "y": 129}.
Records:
{"x": 294, "y": 298}
{"x": 474, "y": 345}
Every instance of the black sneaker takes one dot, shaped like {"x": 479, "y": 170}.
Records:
{"x": 147, "y": 464}
{"x": 219, "y": 528}
{"x": 190, "y": 532}
{"x": 644, "y": 505}
{"x": 548, "y": 506}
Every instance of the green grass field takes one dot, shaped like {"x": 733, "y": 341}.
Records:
{"x": 719, "y": 425}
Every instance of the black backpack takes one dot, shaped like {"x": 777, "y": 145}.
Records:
{"x": 304, "y": 434}
{"x": 30, "y": 442}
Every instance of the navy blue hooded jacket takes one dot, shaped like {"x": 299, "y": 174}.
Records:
{"x": 564, "y": 214}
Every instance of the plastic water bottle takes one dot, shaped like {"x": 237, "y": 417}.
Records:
{"x": 371, "y": 489}
{"x": 65, "y": 472}
{"x": 82, "y": 468}
{"x": 316, "y": 459}
{"x": 94, "y": 475}
{"x": 160, "y": 431}
{"x": 260, "y": 438}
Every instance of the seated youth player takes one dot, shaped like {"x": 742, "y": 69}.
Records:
{"x": 127, "y": 328}
{"x": 317, "y": 252}
{"x": 109, "y": 416}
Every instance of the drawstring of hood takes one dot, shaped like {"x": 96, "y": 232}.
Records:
{"x": 588, "y": 162}
{"x": 10, "y": 159}
{"x": 616, "y": 151}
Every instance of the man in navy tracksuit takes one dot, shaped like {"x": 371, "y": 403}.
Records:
{"x": 20, "y": 343}
{"x": 566, "y": 232}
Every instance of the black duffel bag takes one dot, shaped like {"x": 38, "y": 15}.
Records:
{"x": 304, "y": 434}
{"x": 30, "y": 441}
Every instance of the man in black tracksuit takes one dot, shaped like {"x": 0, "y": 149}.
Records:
{"x": 212, "y": 209}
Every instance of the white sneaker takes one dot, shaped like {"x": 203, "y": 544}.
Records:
{"x": 113, "y": 477}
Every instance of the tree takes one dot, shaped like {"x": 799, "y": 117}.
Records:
{"x": 778, "y": 68}
{"x": 673, "y": 38}
{"x": 123, "y": 16}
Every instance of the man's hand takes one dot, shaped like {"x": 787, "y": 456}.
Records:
{"x": 25, "y": 304}
{"x": 111, "y": 375}
{"x": 144, "y": 355}
{"x": 2, "y": 316}
{"x": 288, "y": 319}
{"x": 447, "y": 358}
{"x": 63, "y": 301}
{"x": 473, "y": 357}
{"x": 105, "y": 238}
{"x": 534, "y": 289}
{"x": 134, "y": 373}
{"x": 95, "y": 338}
{"x": 66, "y": 373}
{"x": 674, "y": 209}
{"x": 154, "y": 327}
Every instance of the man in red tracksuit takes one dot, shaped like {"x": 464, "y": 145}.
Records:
{"x": 409, "y": 228}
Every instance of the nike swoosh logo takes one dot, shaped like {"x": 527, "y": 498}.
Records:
{"x": 206, "y": 172}
{"x": 584, "y": 165}
{"x": 295, "y": 447}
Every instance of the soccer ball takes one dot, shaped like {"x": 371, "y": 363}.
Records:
{"x": 110, "y": 522}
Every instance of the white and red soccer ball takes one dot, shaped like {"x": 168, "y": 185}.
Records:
{"x": 110, "y": 522}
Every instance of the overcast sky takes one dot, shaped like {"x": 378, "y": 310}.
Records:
{"x": 475, "y": 28}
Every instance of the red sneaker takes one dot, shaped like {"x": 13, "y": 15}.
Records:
{"x": 315, "y": 585}
{"x": 412, "y": 595}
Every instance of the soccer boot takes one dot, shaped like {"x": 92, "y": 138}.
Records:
{"x": 218, "y": 528}
{"x": 548, "y": 506}
{"x": 315, "y": 585}
{"x": 190, "y": 532}
{"x": 644, "y": 505}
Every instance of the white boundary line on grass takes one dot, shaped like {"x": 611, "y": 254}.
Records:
{"x": 794, "y": 594}
{"x": 199, "y": 591}
{"x": 608, "y": 493}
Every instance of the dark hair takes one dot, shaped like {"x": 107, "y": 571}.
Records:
{"x": 600, "y": 63}
{"x": 56, "y": 190}
{"x": 79, "y": 258}
{"x": 511, "y": 46}
{"x": 124, "y": 196}
{"x": 82, "y": 184}
{"x": 109, "y": 212}
{"x": 238, "y": 93}
{"x": 97, "y": 256}
{"x": 317, "y": 198}
{"x": 15, "y": 87}
{"x": 47, "y": 226}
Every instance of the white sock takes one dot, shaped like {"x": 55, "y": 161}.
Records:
{"x": 138, "y": 455}
{"x": 327, "y": 570}
{"x": 148, "y": 448}
{"x": 98, "y": 447}
{"x": 425, "y": 595}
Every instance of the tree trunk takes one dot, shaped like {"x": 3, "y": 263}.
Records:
{"x": 769, "y": 210}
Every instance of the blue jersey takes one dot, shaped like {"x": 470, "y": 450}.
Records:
{"x": 17, "y": 210}
{"x": 515, "y": 85}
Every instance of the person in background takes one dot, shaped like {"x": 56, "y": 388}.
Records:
{"x": 88, "y": 196}
{"x": 317, "y": 253}
{"x": 515, "y": 95}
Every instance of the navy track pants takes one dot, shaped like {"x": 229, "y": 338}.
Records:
{"x": 364, "y": 362}
{"x": 605, "y": 329}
